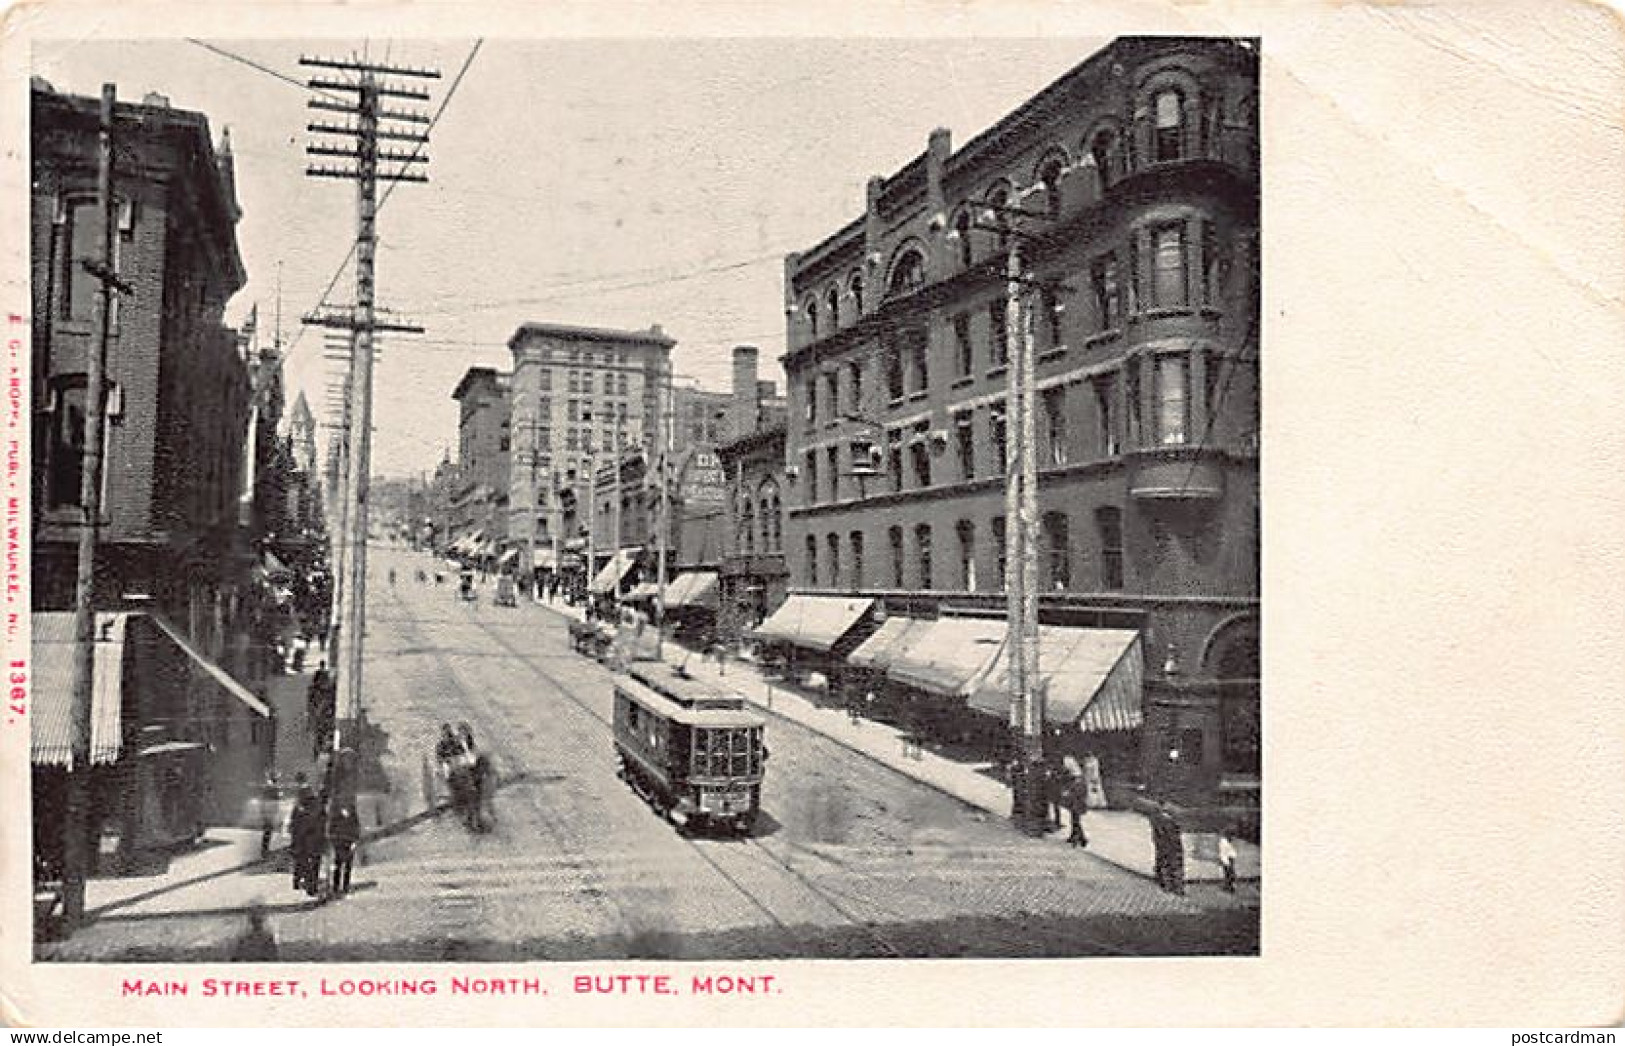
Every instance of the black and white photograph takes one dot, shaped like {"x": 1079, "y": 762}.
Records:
{"x": 804, "y": 512}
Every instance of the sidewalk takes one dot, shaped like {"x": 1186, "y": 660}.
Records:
{"x": 1119, "y": 837}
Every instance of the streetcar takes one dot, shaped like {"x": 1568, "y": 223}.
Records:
{"x": 692, "y": 752}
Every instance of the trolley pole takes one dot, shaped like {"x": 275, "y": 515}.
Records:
{"x": 76, "y": 844}
{"x": 663, "y": 422}
{"x": 362, "y": 79}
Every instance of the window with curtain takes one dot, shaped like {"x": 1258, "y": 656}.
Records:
{"x": 1173, "y": 399}
{"x": 894, "y": 536}
{"x": 919, "y": 448}
{"x": 965, "y": 531}
{"x": 1168, "y": 266}
{"x": 1105, "y": 389}
{"x": 1169, "y": 123}
{"x": 965, "y": 445}
{"x": 1108, "y": 295}
{"x": 832, "y": 462}
{"x": 1054, "y": 401}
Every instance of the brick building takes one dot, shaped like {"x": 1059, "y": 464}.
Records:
{"x": 580, "y": 395}
{"x": 1138, "y": 173}
{"x": 179, "y": 484}
{"x": 479, "y": 502}
{"x": 753, "y": 576}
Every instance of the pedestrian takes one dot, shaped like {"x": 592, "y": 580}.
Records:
{"x": 1170, "y": 849}
{"x": 1075, "y": 796}
{"x": 270, "y": 799}
{"x": 1054, "y": 785}
{"x": 309, "y": 837}
{"x": 257, "y": 943}
{"x": 344, "y": 831}
{"x": 1227, "y": 859}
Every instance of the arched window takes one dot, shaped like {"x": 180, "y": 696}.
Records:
{"x": 999, "y": 197}
{"x": 855, "y": 288}
{"x": 1168, "y": 127}
{"x": 812, "y": 317}
{"x": 1103, "y": 149}
{"x": 1049, "y": 176}
{"x": 833, "y": 300}
{"x": 747, "y": 527}
{"x": 962, "y": 234}
{"x": 908, "y": 274}
{"x": 767, "y": 504}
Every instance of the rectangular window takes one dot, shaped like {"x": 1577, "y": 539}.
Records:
{"x": 546, "y": 383}
{"x": 1108, "y": 295}
{"x": 1109, "y": 524}
{"x": 922, "y": 549}
{"x": 965, "y": 530}
{"x": 812, "y": 561}
{"x": 1131, "y": 392}
{"x": 81, "y": 239}
{"x": 810, "y": 406}
{"x": 1055, "y": 425}
{"x": 998, "y": 332}
{"x": 67, "y": 449}
{"x": 894, "y": 457}
{"x": 1173, "y": 401}
{"x": 895, "y": 536}
{"x": 832, "y": 544}
{"x": 812, "y": 476}
{"x": 919, "y": 367}
{"x": 854, "y": 385}
{"x": 1105, "y": 388}
{"x": 964, "y": 355}
{"x": 1212, "y": 273}
{"x": 998, "y": 552}
{"x": 832, "y": 459}
{"x": 855, "y": 542}
{"x": 965, "y": 445}
{"x": 1057, "y": 550}
{"x": 620, "y": 384}
{"x": 575, "y": 381}
{"x": 894, "y": 371}
{"x": 832, "y": 394}
{"x": 998, "y": 427}
{"x": 919, "y": 448}
{"x": 1050, "y": 305}
{"x": 570, "y": 440}
{"x": 1168, "y": 266}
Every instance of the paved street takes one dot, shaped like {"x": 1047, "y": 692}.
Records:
{"x": 850, "y": 857}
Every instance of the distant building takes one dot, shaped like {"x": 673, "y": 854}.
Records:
{"x": 1138, "y": 170}
{"x": 581, "y": 396}
{"x": 479, "y": 506}
{"x": 753, "y": 575}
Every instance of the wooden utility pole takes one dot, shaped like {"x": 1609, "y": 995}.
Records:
{"x": 361, "y": 78}
{"x": 663, "y": 427}
{"x": 76, "y": 848}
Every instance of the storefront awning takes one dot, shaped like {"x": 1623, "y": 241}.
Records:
{"x": 816, "y": 622}
{"x": 507, "y": 557}
{"x": 543, "y": 559}
{"x": 950, "y": 656}
{"x": 647, "y": 590}
{"x": 52, "y": 713}
{"x": 697, "y": 589}
{"x": 609, "y": 577}
{"x": 895, "y": 635}
{"x": 1092, "y": 677}
{"x": 218, "y": 674}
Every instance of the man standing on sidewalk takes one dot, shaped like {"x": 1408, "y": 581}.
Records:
{"x": 344, "y": 830}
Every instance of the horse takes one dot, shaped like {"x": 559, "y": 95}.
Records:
{"x": 472, "y": 784}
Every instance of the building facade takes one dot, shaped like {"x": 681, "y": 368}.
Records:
{"x": 582, "y": 396}
{"x": 186, "y": 474}
{"x": 1129, "y": 191}
{"x": 753, "y": 576}
{"x": 479, "y": 504}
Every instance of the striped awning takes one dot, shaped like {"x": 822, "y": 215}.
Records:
{"x": 609, "y": 577}
{"x": 697, "y": 588}
{"x": 816, "y": 622}
{"x": 1092, "y": 677}
{"x": 894, "y": 636}
{"x": 212, "y": 670}
{"x": 51, "y": 715}
{"x": 950, "y": 657}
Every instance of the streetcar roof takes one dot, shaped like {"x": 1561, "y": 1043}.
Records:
{"x": 663, "y": 706}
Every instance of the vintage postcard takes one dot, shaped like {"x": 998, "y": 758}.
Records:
{"x": 706, "y": 515}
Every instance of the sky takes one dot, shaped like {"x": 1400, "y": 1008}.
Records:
{"x": 603, "y": 182}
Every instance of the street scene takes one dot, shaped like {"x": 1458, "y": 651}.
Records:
{"x": 877, "y": 579}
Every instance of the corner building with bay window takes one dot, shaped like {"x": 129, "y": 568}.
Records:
{"x": 1130, "y": 186}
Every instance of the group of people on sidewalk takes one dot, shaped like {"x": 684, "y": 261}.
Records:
{"x": 316, "y": 824}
